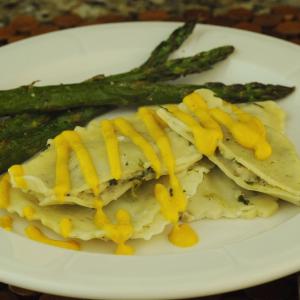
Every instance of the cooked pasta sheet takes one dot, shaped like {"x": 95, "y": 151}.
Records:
{"x": 40, "y": 171}
{"x": 140, "y": 203}
{"x": 276, "y": 176}
{"x": 218, "y": 197}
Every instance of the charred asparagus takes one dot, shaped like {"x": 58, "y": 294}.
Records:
{"x": 61, "y": 97}
{"x": 17, "y": 150}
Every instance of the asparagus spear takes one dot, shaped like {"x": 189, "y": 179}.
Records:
{"x": 154, "y": 69}
{"x": 18, "y": 125}
{"x": 17, "y": 150}
{"x": 62, "y": 97}
{"x": 249, "y": 92}
{"x": 161, "y": 53}
{"x": 147, "y": 71}
{"x": 157, "y": 68}
{"x": 116, "y": 89}
{"x": 175, "y": 68}
{"x": 23, "y": 124}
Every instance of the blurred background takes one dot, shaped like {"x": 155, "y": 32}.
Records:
{"x": 20, "y": 19}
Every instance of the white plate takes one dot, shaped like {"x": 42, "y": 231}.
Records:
{"x": 232, "y": 254}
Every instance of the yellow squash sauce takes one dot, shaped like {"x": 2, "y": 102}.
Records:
{"x": 112, "y": 148}
{"x": 252, "y": 121}
{"x": 124, "y": 249}
{"x": 196, "y": 104}
{"x": 4, "y": 191}
{"x": 62, "y": 178}
{"x": 183, "y": 235}
{"x": 167, "y": 207}
{"x": 35, "y": 234}
{"x": 6, "y": 222}
{"x": 206, "y": 139}
{"x": 247, "y": 130}
{"x": 244, "y": 134}
{"x": 65, "y": 226}
{"x": 170, "y": 205}
{"x": 195, "y": 101}
{"x": 159, "y": 136}
{"x": 85, "y": 161}
{"x": 160, "y": 121}
{"x": 100, "y": 217}
{"x": 120, "y": 232}
{"x": 179, "y": 198}
{"x": 17, "y": 173}
{"x": 28, "y": 213}
{"x": 129, "y": 131}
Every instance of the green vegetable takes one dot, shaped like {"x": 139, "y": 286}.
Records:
{"x": 175, "y": 68}
{"x": 17, "y": 150}
{"x": 19, "y": 137}
{"x": 23, "y": 124}
{"x": 159, "y": 68}
{"x": 147, "y": 71}
{"x": 62, "y": 97}
{"x": 26, "y": 133}
{"x": 249, "y": 92}
{"x": 161, "y": 53}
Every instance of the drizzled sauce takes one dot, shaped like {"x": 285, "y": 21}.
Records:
{"x": 129, "y": 131}
{"x": 167, "y": 207}
{"x": 205, "y": 123}
{"x": 244, "y": 133}
{"x": 247, "y": 130}
{"x": 28, "y": 213}
{"x": 196, "y": 104}
{"x": 182, "y": 235}
{"x": 206, "y": 139}
{"x": 35, "y": 234}
{"x": 112, "y": 148}
{"x": 66, "y": 141}
{"x": 158, "y": 134}
{"x": 85, "y": 161}
{"x": 62, "y": 178}
{"x": 6, "y": 222}
{"x": 70, "y": 140}
{"x": 17, "y": 173}
{"x": 252, "y": 121}
{"x": 171, "y": 206}
{"x": 65, "y": 227}
{"x": 4, "y": 191}
{"x": 120, "y": 232}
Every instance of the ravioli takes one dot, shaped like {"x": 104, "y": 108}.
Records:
{"x": 250, "y": 181}
{"x": 151, "y": 166}
{"x": 140, "y": 204}
{"x": 218, "y": 197}
{"x": 277, "y": 175}
{"x": 269, "y": 112}
{"x": 40, "y": 171}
